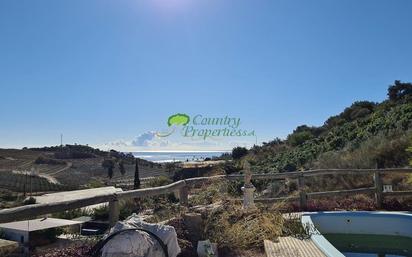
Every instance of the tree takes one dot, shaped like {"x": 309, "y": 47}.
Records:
{"x": 239, "y": 152}
{"x": 109, "y": 165}
{"x": 299, "y": 138}
{"x": 136, "y": 184}
{"x": 121, "y": 168}
{"x": 399, "y": 90}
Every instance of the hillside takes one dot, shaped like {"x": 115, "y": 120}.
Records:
{"x": 68, "y": 167}
{"x": 364, "y": 135}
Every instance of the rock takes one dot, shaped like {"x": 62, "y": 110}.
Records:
{"x": 206, "y": 249}
{"x": 139, "y": 243}
{"x": 194, "y": 225}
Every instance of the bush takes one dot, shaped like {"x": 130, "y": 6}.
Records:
{"x": 230, "y": 168}
{"x": 299, "y": 138}
{"x": 344, "y": 134}
{"x": 399, "y": 90}
{"x": 158, "y": 181}
{"x": 45, "y": 160}
{"x": 382, "y": 150}
{"x": 239, "y": 152}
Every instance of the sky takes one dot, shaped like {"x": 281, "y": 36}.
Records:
{"x": 109, "y": 73}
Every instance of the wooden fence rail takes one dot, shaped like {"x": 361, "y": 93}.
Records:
{"x": 182, "y": 188}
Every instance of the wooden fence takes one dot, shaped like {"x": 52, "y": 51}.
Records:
{"x": 182, "y": 188}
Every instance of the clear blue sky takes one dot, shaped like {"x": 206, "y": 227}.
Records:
{"x": 101, "y": 71}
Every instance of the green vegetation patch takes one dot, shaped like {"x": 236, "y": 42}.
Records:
{"x": 351, "y": 133}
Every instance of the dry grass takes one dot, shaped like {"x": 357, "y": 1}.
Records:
{"x": 208, "y": 193}
{"x": 234, "y": 228}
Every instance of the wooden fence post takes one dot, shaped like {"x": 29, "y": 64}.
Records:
{"x": 378, "y": 189}
{"x": 302, "y": 193}
{"x": 114, "y": 212}
{"x": 184, "y": 196}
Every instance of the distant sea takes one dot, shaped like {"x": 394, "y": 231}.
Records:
{"x": 176, "y": 156}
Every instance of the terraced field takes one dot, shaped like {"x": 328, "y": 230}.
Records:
{"x": 9, "y": 163}
{"x": 83, "y": 171}
{"x": 20, "y": 183}
{"x": 146, "y": 172}
{"x": 74, "y": 174}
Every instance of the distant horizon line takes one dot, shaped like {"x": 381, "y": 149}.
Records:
{"x": 182, "y": 151}
{"x": 119, "y": 150}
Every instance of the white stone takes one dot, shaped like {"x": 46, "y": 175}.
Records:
{"x": 206, "y": 249}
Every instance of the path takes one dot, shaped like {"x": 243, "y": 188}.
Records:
{"x": 68, "y": 166}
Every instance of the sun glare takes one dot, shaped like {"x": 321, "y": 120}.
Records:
{"x": 172, "y": 5}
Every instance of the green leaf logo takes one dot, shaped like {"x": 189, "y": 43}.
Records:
{"x": 178, "y": 119}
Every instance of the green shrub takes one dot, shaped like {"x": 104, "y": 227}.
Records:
{"x": 239, "y": 152}
{"x": 158, "y": 181}
{"x": 382, "y": 150}
{"x": 346, "y": 134}
{"x": 299, "y": 138}
{"x": 230, "y": 167}
{"x": 399, "y": 90}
